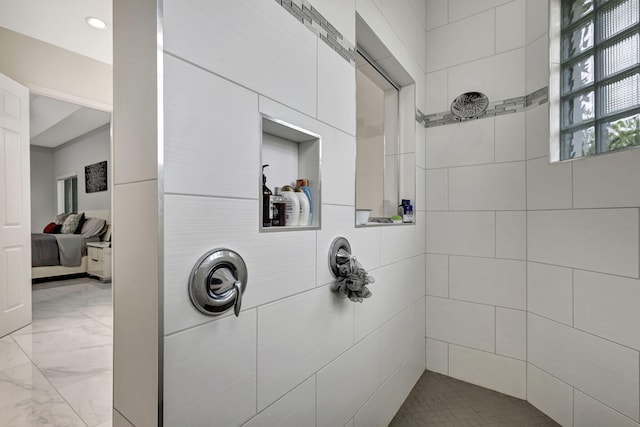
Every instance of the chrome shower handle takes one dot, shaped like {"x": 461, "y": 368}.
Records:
{"x": 217, "y": 282}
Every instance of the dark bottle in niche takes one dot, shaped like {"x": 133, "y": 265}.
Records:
{"x": 266, "y": 201}
{"x": 278, "y": 208}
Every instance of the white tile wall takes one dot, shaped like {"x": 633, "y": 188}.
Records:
{"x": 548, "y": 184}
{"x": 550, "y": 292}
{"x": 402, "y": 18}
{"x": 488, "y": 187}
{"x": 600, "y": 368}
{"x": 341, "y": 14}
{"x": 296, "y": 408}
{"x": 461, "y": 233}
{"x": 420, "y": 202}
{"x": 537, "y": 19}
{"x": 397, "y": 338}
{"x": 376, "y": 411}
{"x": 538, "y": 131}
{"x": 202, "y": 109}
{"x": 538, "y": 64}
{"x": 503, "y": 374}
{"x": 437, "y": 191}
{"x": 338, "y": 167}
{"x": 348, "y": 381}
{"x": 459, "y": 322}
{"x": 491, "y": 281}
{"x": 607, "y": 306}
{"x": 550, "y": 395}
{"x": 189, "y": 373}
{"x": 589, "y": 412}
{"x": 603, "y": 240}
{"x": 398, "y": 243}
{"x": 421, "y": 146}
{"x": 195, "y": 225}
{"x": 456, "y": 34}
{"x": 437, "y": 267}
{"x": 285, "y": 52}
{"x": 619, "y": 189}
{"x": 437, "y": 13}
{"x": 459, "y": 9}
{"x": 336, "y": 90}
{"x": 393, "y": 291}
{"x": 511, "y": 235}
{"x": 511, "y": 333}
{"x": 468, "y": 143}
{"x": 437, "y": 96}
{"x": 499, "y": 76}
{"x": 437, "y": 356}
{"x": 297, "y": 336}
{"x": 510, "y": 26}
{"x": 510, "y": 137}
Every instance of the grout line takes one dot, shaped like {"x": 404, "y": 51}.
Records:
{"x": 573, "y": 298}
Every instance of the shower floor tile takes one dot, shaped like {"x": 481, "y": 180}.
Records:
{"x": 438, "y": 400}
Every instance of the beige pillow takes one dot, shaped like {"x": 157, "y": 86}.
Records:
{"x": 70, "y": 224}
{"x": 59, "y": 219}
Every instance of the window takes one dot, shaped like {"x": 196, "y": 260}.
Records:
{"x": 599, "y": 76}
{"x": 68, "y": 194}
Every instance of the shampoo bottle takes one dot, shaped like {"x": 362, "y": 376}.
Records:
{"x": 292, "y": 212}
{"x": 304, "y": 207}
{"x": 266, "y": 201}
{"x": 304, "y": 186}
{"x": 279, "y": 207}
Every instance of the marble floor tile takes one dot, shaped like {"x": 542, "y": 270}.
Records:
{"x": 10, "y": 354}
{"x": 91, "y": 398}
{"x": 27, "y": 399}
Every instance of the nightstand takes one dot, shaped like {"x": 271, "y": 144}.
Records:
{"x": 99, "y": 265}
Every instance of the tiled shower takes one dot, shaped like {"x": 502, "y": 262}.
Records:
{"x": 518, "y": 275}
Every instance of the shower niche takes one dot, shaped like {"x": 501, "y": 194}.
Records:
{"x": 292, "y": 177}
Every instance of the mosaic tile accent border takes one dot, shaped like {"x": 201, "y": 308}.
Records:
{"x": 313, "y": 20}
{"x": 498, "y": 108}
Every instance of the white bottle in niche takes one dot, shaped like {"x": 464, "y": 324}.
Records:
{"x": 304, "y": 207}
{"x": 292, "y": 212}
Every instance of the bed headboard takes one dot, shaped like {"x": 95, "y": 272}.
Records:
{"x": 106, "y": 215}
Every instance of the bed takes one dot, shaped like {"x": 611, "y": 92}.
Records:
{"x": 73, "y": 250}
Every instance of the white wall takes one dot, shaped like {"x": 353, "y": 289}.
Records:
{"x": 297, "y": 355}
{"x": 476, "y": 197}
{"x": 73, "y": 156}
{"x": 532, "y": 268}
{"x": 43, "y": 188}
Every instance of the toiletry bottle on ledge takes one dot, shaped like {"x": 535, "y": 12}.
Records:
{"x": 292, "y": 212}
{"x": 304, "y": 186}
{"x": 266, "y": 201}
{"x": 407, "y": 211}
{"x": 304, "y": 207}
{"x": 279, "y": 207}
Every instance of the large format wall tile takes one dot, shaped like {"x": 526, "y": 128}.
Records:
{"x": 459, "y": 9}
{"x": 336, "y": 90}
{"x": 437, "y": 267}
{"x": 499, "y": 77}
{"x": 602, "y": 369}
{"x": 548, "y": 185}
{"x": 602, "y": 240}
{"x": 192, "y": 381}
{"x": 550, "y": 395}
{"x": 510, "y": 137}
{"x": 550, "y": 292}
{"x": 492, "y": 371}
{"x": 510, "y": 26}
{"x": 468, "y": 143}
{"x": 280, "y": 47}
{"x": 488, "y": 187}
{"x": 347, "y": 382}
{"x": 511, "y": 235}
{"x": 398, "y": 339}
{"x": 208, "y": 118}
{"x": 294, "y": 409}
{"x": 538, "y": 131}
{"x": 511, "y": 333}
{"x": 195, "y": 225}
{"x": 607, "y": 306}
{"x": 489, "y": 281}
{"x": 461, "y": 233}
{"x": 459, "y": 322}
{"x": 590, "y": 412}
{"x": 437, "y": 356}
{"x": 456, "y": 34}
{"x": 299, "y": 335}
{"x": 607, "y": 181}
{"x": 437, "y": 191}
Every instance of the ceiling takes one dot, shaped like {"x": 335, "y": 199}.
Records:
{"x": 62, "y": 23}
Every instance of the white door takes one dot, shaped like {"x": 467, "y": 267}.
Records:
{"x": 15, "y": 207}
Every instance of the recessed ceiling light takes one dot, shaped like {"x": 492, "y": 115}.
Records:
{"x": 96, "y": 22}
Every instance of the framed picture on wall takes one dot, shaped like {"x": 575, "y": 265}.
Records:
{"x": 95, "y": 177}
